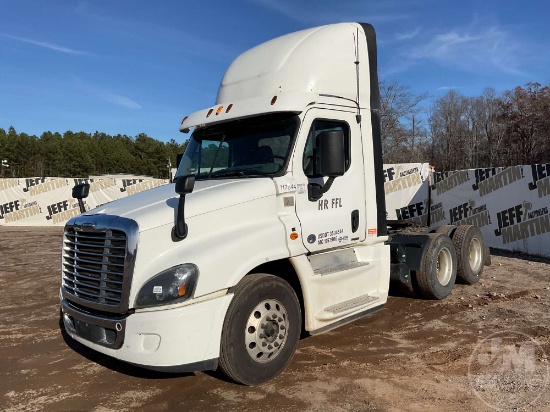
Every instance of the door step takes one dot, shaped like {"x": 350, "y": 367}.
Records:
{"x": 351, "y": 304}
{"x": 339, "y": 268}
{"x": 334, "y": 261}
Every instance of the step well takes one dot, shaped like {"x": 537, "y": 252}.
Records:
{"x": 351, "y": 304}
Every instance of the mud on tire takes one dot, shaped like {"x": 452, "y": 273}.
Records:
{"x": 437, "y": 276}
{"x": 261, "y": 329}
{"x": 468, "y": 242}
{"x": 446, "y": 230}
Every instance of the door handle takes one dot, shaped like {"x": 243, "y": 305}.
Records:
{"x": 354, "y": 221}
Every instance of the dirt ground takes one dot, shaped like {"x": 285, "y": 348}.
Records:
{"x": 413, "y": 355}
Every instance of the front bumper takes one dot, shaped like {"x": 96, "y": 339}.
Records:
{"x": 182, "y": 339}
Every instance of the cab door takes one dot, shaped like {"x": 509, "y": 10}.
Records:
{"x": 336, "y": 219}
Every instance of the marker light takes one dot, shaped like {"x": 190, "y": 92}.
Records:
{"x": 219, "y": 110}
{"x": 229, "y": 108}
{"x": 209, "y": 112}
{"x": 273, "y": 100}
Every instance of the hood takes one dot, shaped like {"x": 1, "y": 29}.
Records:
{"x": 156, "y": 207}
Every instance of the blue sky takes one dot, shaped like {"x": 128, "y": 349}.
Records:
{"x": 134, "y": 66}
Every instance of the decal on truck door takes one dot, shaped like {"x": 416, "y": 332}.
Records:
{"x": 333, "y": 203}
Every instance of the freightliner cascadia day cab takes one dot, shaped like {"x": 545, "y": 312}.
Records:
{"x": 275, "y": 225}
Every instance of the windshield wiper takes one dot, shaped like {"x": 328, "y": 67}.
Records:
{"x": 229, "y": 173}
{"x": 216, "y": 156}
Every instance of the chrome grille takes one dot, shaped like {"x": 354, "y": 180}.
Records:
{"x": 93, "y": 265}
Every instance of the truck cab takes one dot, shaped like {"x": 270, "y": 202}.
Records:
{"x": 275, "y": 225}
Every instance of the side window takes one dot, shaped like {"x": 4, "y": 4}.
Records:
{"x": 310, "y": 159}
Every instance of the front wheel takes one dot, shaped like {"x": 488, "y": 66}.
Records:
{"x": 261, "y": 329}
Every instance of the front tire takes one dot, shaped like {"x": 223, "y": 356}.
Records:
{"x": 261, "y": 329}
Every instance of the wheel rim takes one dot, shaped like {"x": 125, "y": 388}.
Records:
{"x": 475, "y": 255}
{"x": 266, "y": 330}
{"x": 444, "y": 266}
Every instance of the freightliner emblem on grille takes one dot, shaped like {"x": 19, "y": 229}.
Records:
{"x": 86, "y": 225}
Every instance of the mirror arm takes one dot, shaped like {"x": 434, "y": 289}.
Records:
{"x": 180, "y": 228}
{"x": 81, "y": 205}
{"x": 184, "y": 186}
{"x": 316, "y": 191}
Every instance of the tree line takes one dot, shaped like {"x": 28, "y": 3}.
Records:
{"x": 454, "y": 132}
{"x": 84, "y": 154}
{"x": 460, "y": 132}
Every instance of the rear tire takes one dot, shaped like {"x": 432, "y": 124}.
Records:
{"x": 261, "y": 329}
{"x": 468, "y": 242}
{"x": 437, "y": 275}
{"x": 446, "y": 230}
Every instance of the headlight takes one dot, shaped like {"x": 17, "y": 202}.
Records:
{"x": 171, "y": 286}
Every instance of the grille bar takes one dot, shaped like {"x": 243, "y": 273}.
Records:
{"x": 90, "y": 286}
{"x": 79, "y": 293}
{"x": 83, "y": 252}
{"x": 80, "y": 275}
{"x": 93, "y": 245}
{"x": 102, "y": 238}
{"x": 93, "y": 262}
{"x": 83, "y": 269}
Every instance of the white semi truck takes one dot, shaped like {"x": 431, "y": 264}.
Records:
{"x": 275, "y": 225}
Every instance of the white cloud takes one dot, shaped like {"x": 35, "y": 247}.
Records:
{"x": 473, "y": 49}
{"x": 477, "y": 48}
{"x": 180, "y": 39}
{"x": 106, "y": 95}
{"x": 119, "y": 100}
{"x": 408, "y": 35}
{"x": 317, "y": 13}
{"x": 46, "y": 45}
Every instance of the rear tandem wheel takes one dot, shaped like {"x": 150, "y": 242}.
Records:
{"x": 437, "y": 275}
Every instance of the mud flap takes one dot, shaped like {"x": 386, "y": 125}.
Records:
{"x": 487, "y": 256}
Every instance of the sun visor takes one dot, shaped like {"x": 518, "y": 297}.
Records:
{"x": 288, "y": 102}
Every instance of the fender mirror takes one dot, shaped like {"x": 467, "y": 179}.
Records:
{"x": 184, "y": 186}
{"x": 81, "y": 191}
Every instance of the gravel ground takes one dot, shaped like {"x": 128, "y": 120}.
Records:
{"x": 414, "y": 355}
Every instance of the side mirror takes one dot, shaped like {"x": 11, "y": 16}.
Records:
{"x": 332, "y": 161}
{"x": 184, "y": 186}
{"x": 332, "y": 154}
{"x": 80, "y": 192}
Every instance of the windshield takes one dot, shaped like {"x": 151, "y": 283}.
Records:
{"x": 251, "y": 147}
